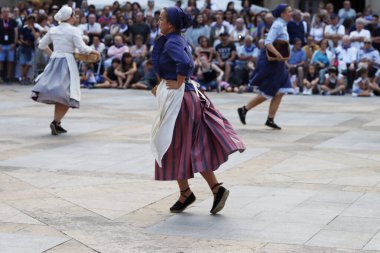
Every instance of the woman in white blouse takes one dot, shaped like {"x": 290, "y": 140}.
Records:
{"x": 317, "y": 29}
{"x": 59, "y": 84}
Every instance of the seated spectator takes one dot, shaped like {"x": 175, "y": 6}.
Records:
{"x": 204, "y": 48}
{"x": 296, "y": 28}
{"x": 362, "y": 85}
{"x": 83, "y": 24}
{"x": 375, "y": 34}
{"x": 140, "y": 28}
{"x": 87, "y": 78}
{"x": 347, "y": 56}
{"x": 126, "y": 71}
{"x": 110, "y": 78}
{"x": 239, "y": 32}
{"x": 225, "y": 55}
{"x": 122, "y": 24}
{"x": 369, "y": 57}
{"x": 317, "y": 29}
{"x": 297, "y": 61}
{"x": 148, "y": 80}
{"x": 97, "y": 44}
{"x": 28, "y": 37}
{"x": 106, "y": 17}
{"x": 244, "y": 62}
{"x": 116, "y": 50}
{"x": 333, "y": 83}
{"x": 310, "y": 82}
{"x": 334, "y": 29}
{"x": 357, "y": 37}
{"x": 92, "y": 28}
{"x": 154, "y": 32}
{"x": 268, "y": 21}
{"x": 310, "y": 48}
{"x": 114, "y": 26}
{"x": 139, "y": 52}
{"x": 217, "y": 29}
{"x": 198, "y": 29}
{"x": 346, "y": 13}
{"x": 322, "y": 58}
{"x": 375, "y": 84}
{"x": 209, "y": 75}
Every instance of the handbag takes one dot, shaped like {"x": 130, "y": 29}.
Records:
{"x": 282, "y": 46}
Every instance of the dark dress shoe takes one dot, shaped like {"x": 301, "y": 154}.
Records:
{"x": 220, "y": 198}
{"x": 242, "y": 113}
{"x": 60, "y": 129}
{"x": 53, "y": 128}
{"x": 270, "y": 123}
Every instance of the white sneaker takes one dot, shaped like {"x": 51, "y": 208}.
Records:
{"x": 306, "y": 91}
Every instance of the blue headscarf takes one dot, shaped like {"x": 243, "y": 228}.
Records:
{"x": 279, "y": 9}
{"x": 178, "y": 18}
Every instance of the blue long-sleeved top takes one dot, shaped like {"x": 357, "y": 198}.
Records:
{"x": 278, "y": 31}
{"x": 171, "y": 56}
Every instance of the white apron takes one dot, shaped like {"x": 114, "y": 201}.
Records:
{"x": 169, "y": 104}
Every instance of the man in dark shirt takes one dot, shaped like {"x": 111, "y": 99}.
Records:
{"x": 140, "y": 28}
{"x": 8, "y": 35}
{"x": 296, "y": 28}
{"x": 375, "y": 32}
{"x": 225, "y": 55}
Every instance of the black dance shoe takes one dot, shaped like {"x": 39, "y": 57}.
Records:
{"x": 60, "y": 129}
{"x": 53, "y": 128}
{"x": 242, "y": 111}
{"x": 270, "y": 123}
{"x": 220, "y": 198}
{"x": 178, "y": 207}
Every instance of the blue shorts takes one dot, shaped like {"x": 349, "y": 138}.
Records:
{"x": 24, "y": 61}
{"x": 7, "y": 53}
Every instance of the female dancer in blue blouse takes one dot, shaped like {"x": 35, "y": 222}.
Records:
{"x": 189, "y": 135}
{"x": 271, "y": 77}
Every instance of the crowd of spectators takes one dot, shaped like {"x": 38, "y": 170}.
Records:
{"x": 333, "y": 52}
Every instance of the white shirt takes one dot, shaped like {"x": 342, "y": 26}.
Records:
{"x": 363, "y": 33}
{"x": 100, "y": 48}
{"x": 317, "y": 33}
{"x": 82, "y": 27}
{"x": 332, "y": 30}
{"x": 65, "y": 39}
{"x": 95, "y": 28}
{"x": 347, "y": 55}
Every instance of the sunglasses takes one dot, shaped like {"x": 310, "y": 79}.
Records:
{"x": 367, "y": 42}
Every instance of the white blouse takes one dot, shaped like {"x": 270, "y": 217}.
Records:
{"x": 65, "y": 39}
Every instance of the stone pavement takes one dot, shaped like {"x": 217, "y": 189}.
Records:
{"x": 312, "y": 187}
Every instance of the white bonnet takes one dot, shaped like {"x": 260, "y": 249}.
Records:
{"x": 64, "y": 13}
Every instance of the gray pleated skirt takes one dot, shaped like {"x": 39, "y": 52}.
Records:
{"x": 54, "y": 84}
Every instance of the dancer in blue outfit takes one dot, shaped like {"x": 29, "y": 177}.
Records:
{"x": 271, "y": 77}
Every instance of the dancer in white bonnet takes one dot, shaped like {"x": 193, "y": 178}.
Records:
{"x": 59, "y": 84}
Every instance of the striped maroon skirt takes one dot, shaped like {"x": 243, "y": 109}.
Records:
{"x": 202, "y": 141}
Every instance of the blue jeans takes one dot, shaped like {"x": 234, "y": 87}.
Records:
{"x": 7, "y": 53}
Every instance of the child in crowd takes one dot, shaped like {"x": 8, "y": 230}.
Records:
{"x": 310, "y": 83}
{"x": 361, "y": 86}
{"x": 334, "y": 83}
{"x": 87, "y": 78}
{"x": 149, "y": 79}
{"x": 111, "y": 80}
{"x": 126, "y": 71}
{"x": 209, "y": 75}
